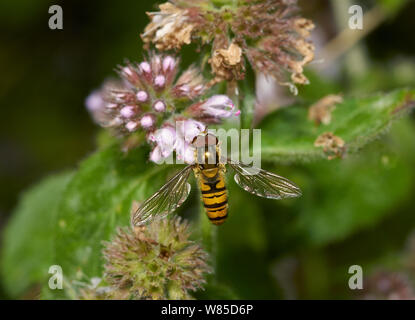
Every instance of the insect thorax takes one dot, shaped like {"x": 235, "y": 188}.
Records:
{"x": 207, "y": 157}
{"x": 206, "y": 151}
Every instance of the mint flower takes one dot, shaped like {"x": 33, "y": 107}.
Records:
{"x": 187, "y": 130}
{"x": 164, "y": 140}
{"x": 213, "y": 109}
{"x": 157, "y": 261}
{"x": 176, "y": 138}
{"x": 269, "y": 34}
{"x": 147, "y": 95}
{"x": 151, "y": 97}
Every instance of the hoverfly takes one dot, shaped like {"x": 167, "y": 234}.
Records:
{"x": 209, "y": 170}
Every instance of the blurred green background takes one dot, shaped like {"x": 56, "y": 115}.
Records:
{"x": 354, "y": 211}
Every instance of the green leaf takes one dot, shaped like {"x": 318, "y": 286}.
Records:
{"x": 96, "y": 201}
{"x": 347, "y": 196}
{"x": 318, "y": 87}
{"x": 288, "y": 135}
{"x": 343, "y": 197}
{"x": 27, "y": 242}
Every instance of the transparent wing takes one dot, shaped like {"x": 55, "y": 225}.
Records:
{"x": 263, "y": 183}
{"x": 165, "y": 201}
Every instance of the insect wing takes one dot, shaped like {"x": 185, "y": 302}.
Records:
{"x": 166, "y": 200}
{"x": 263, "y": 183}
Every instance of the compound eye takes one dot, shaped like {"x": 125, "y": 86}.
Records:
{"x": 211, "y": 140}
{"x": 199, "y": 141}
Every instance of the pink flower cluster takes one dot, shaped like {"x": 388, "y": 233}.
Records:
{"x": 178, "y": 139}
{"x": 149, "y": 98}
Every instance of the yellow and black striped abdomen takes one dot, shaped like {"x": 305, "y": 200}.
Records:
{"x": 214, "y": 194}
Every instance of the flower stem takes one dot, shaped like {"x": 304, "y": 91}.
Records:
{"x": 246, "y": 99}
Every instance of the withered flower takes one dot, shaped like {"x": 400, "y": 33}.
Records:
{"x": 227, "y": 63}
{"x": 268, "y": 34}
{"x": 332, "y": 145}
{"x": 157, "y": 261}
{"x": 170, "y": 28}
{"x": 320, "y": 112}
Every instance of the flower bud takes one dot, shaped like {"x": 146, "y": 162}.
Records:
{"x": 131, "y": 126}
{"x": 159, "y": 81}
{"x": 159, "y": 106}
{"x": 128, "y": 72}
{"x": 156, "y": 63}
{"x": 94, "y": 101}
{"x": 147, "y": 121}
{"x": 145, "y": 67}
{"x": 168, "y": 63}
{"x": 218, "y": 106}
{"x": 128, "y": 112}
{"x": 142, "y": 96}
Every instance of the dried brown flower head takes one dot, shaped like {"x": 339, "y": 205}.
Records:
{"x": 170, "y": 28}
{"x": 268, "y": 34}
{"x": 332, "y": 145}
{"x": 227, "y": 63}
{"x": 157, "y": 261}
{"x": 320, "y": 112}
